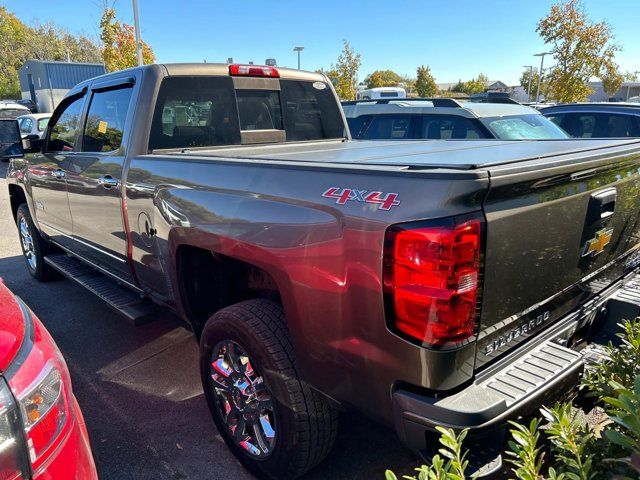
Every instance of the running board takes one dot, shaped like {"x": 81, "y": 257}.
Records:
{"x": 123, "y": 300}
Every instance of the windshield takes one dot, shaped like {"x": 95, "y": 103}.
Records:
{"x": 524, "y": 127}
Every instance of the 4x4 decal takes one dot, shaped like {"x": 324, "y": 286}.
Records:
{"x": 342, "y": 195}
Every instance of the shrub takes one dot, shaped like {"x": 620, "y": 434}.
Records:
{"x": 578, "y": 451}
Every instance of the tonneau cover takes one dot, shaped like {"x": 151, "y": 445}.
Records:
{"x": 451, "y": 154}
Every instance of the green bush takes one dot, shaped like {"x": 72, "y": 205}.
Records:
{"x": 578, "y": 451}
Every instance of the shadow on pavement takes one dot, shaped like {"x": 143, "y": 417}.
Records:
{"x": 140, "y": 392}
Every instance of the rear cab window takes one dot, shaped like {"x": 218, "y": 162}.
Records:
{"x": 210, "y": 111}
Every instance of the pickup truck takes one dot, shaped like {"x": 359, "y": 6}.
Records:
{"x": 423, "y": 283}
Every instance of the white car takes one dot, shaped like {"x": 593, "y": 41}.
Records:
{"x": 12, "y": 110}
{"x": 33, "y": 124}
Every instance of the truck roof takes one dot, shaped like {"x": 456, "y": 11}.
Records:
{"x": 417, "y": 154}
{"x": 204, "y": 69}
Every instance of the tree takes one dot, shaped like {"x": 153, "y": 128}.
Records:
{"x": 582, "y": 49}
{"x": 383, "y": 78}
{"x": 475, "y": 85}
{"x": 425, "y": 83}
{"x": 611, "y": 79}
{"x": 344, "y": 73}
{"x": 119, "y": 43}
{"x": 20, "y": 42}
{"x": 631, "y": 76}
{"x": 524, "y": 81}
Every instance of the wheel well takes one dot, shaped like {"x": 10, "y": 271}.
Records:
{"x": 209, "y": 282}
{"x": 17, "y": 197}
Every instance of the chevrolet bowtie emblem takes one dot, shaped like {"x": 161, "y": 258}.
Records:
{"x": 595, "y": 246}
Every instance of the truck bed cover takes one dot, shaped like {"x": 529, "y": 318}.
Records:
{"x": 421, "y": 154}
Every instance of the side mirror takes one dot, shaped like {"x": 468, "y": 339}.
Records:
{"x": 10, "y": 139}
{"x": 32, "y": 137}
{"x": 32, "y": 144}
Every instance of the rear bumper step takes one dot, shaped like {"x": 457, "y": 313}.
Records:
{"x": 518, "y": 385}
{"x": 126, "y": 302}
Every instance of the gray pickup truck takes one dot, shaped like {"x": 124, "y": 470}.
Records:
{"x": 423, "y": 283}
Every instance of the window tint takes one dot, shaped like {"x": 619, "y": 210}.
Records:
{"x": 259, "y": 109}
{"x": 63, "y": 132}
{"x": 310, "y": 111}
{"x": 105, "y": 120}
{"x": 601, "y": 125}
{"x": 446, "y": 127}
{"x": 524, "y": 127}
{"x": 195, "y": 112}
{"x": 388, "y": 127}
{"x": 356, "y": 124}
{"x": 26, "y": 124}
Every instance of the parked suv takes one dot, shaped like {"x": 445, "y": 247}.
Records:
{"x": 445, "y": 119}
{"x": 596, "y": 120}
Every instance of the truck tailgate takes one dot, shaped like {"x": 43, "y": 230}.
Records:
{"x": 558, "y": 232}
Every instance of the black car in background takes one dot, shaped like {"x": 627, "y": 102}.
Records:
{"x": 596, "y": 120}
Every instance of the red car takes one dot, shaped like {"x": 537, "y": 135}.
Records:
{"x": 42, "y": 431}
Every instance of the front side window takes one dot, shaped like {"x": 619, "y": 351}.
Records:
{"x": 524, "y": 127}
{"x": 105, "y": 120}
{"x": 65, "y": 128}
{"x": 601, "y": 125}
{"x": 195, "y": 112}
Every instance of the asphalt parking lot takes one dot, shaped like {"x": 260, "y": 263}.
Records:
{"x": 140, "y": 391}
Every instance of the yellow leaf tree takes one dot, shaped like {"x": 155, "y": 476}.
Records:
{"x": 119, "y": 43}
{"x": 582, "y": 49}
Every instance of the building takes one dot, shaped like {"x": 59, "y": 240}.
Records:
{"x": 46, "y": 83}
{"x": 626, "y": 90}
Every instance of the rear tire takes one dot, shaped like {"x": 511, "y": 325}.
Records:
{"x": 34, "y": 247}
{"x": 304, "y": 424}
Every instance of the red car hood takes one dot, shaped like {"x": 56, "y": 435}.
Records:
{"x": 12, "y": 327}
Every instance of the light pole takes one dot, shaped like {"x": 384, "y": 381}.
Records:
{"x": 136, "y": 22}
{"x": 541, "y": 55}
{"x": 298, "y": 49}
{"x": 530, "y": 67}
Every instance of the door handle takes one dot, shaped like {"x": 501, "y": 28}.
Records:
{"x": 108, "y": 182}
{"x": 58, "y": 173}
{"x": 602, "y": 204}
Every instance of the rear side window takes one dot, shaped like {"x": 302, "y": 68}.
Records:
{"x": 356, "y": 124}
{"x": 311, "y": 111}
{"x": 601, "y": 125}
{"x": 64, "y": 129}
{"x": 447, "y": 127}
{"x": 105, "y": 120}
{"x": 388, "y": 127}
{"x": 195, "y": 112}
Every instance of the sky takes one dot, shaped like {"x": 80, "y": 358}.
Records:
{"x": 458, "y": 39}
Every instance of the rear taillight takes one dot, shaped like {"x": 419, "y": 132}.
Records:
{"x": 431, "y": 279}
{"x": 42, "y": 387}
{"x": 253, "y": 71}
{"x": 13, "y": 461}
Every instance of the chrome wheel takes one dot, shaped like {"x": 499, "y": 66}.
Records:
{"x": 243, "y": 400}
{"x": 27, "y": 244}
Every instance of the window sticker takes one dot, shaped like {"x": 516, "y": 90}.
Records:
{"x": 102, "y": 127}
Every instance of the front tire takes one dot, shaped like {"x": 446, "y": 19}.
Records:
{"x": 272, "y": 421}
{"x": 34, "y": 248}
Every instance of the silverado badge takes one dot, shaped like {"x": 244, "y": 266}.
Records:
{"x": 596, "y": 245}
